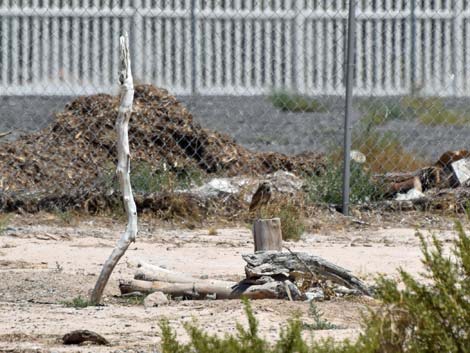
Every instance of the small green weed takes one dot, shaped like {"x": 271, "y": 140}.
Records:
{"x": 65, "y": 217}
{"x": 378, "y": 112}
{"x": 146, "y": 178}
{"x": 5, "y": 220}
{"x": 428, "y": 111}
{"x": 77, "y": 303}
{"x": 319, "y": 323}
{"x": 135, "y": 300}
{"x": 433, "y": 111}
{"x": 293, "y": 102}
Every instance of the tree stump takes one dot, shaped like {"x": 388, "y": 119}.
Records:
{"x": 267, "y": 234}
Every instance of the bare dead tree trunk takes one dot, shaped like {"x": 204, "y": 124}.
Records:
{"x": 122, "y": 170}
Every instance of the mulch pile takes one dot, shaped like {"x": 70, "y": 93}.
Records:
{"x": 80, "y": 146}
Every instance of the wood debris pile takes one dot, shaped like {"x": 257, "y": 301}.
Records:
{"x": 443, "y": 186}
{"x": 80, "y": 146}
{"x": 269, "y": 275}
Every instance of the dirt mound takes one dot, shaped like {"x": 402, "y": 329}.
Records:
{"x": 76, "y": 150}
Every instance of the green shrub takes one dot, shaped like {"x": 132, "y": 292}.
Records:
{"x": 327, "y": 187}
{"x": 429, "y": 314}
{"x": 292, "y": 223}
{"x": 290, "y": 214}
{"x": 146, "y": 178}
{"x": 384, "y": 152}
{"x": 293, "y": 102}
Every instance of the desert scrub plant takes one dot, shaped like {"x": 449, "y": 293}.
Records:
{"x": 417, "y": 315}
{"x": 292, "y": 222}
{"x": 291, "y": 216}
{"x": 429, "y": 314}
{"x": 245, "y": 340}
{"x": 293, "y": 102}
{"x": 384, "y": 152}
{"x": 327, "y": 187}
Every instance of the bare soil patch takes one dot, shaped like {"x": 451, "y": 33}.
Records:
{"x": 43, "y": 273}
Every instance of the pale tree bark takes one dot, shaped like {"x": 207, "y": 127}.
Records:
{"x": 122, "y": 170}
{"x": 267, "y": 234}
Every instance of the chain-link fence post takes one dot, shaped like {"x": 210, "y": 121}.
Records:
{"x": 348, "y": 106}
{"x": 193, "y": 47}
{"x": 413, "y": 46}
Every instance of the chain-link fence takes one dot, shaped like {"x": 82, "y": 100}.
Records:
{"x": 253, "y": 88}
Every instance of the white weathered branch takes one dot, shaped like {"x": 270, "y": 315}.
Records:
{"x": 200, "y": 289}
{"x": 148, "y": 272}
{"x": 122, "y": 170}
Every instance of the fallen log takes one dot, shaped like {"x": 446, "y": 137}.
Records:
{"x": 274, "y": 264}
{"x": 200, "y": 290}
{"x": 195, "y": 290}
{"x": 422, "y": 179}
{"x": 148, "y": 272}
{"x": 406, "y": 185}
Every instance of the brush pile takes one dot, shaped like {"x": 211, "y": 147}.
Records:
{"x": 72, "y": 155}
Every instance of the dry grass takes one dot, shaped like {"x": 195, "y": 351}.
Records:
{"x": 291, "y": 212}
{"x": 5, "y": 220}
{"x": 385, "y": 154}
{"x": 212, "y": 231}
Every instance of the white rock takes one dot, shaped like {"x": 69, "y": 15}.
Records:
{"x": 217, "y": 186}
{"x": 155, "y": 299}
{"x": 282, "y": 181}
{"x": 358, "y": 156}
{"x": 285, "y": 182}
{"x": 412, "y": 194}
{"x": 461, "y": 170}
{"x": 315, "y": 294}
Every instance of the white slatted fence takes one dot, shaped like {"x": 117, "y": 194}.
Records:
{"x": 68, "y": 47}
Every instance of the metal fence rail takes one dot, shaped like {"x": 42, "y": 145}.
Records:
{"x": 236, "y": 47}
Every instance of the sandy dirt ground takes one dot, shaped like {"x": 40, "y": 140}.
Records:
{"x": 45, "y": 261}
